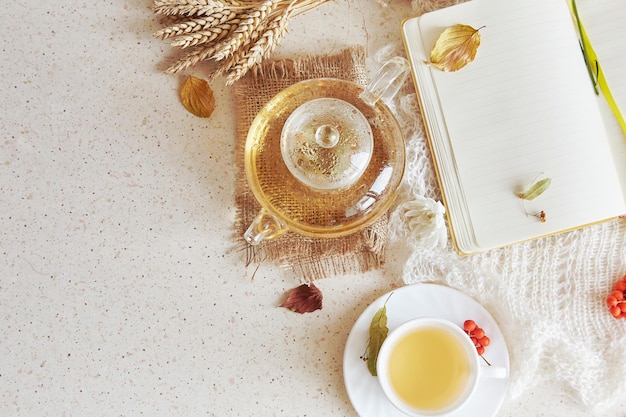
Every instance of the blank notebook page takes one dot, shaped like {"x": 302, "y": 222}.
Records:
{"x": 524, "y": 107}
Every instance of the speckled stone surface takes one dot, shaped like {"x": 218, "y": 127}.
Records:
{"x": 122, "y": 291}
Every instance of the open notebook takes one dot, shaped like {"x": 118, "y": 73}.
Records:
{"x": 524, "y": 108}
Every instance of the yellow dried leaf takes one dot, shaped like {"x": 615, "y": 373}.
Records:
{"x": 455, "y": 48}
{"x": 197, "y": 96}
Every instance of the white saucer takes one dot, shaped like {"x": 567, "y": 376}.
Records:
{"x": 406, "y": 303}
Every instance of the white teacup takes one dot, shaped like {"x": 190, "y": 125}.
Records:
{"x": 430, "y": 367}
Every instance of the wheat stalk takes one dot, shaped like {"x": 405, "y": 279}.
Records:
{"x": 199, "y": 54}
{"x": 187, "y": 7}
{"x": 206, "y": 36}
{"x": 261, "y": 49}
{"x": 250, "y": 27}
{"x": 196, "y": 25}
{"x": 235, "y": 34}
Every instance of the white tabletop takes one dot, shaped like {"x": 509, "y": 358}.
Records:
{"x": 122, "y": 289}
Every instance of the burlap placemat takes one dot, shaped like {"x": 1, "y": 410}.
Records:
{"x": 310, "y": 258}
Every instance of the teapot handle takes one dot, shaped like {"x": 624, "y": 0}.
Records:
{"x": 265, "y": 226}
{"x": 387, "y": 81}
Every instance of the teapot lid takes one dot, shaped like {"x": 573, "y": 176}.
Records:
{"x": 327, "y": 143}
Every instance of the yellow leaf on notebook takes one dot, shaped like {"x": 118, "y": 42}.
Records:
{"x": 455, "y": 48}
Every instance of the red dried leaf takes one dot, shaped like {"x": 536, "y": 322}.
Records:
{"x": 304, "y": 299}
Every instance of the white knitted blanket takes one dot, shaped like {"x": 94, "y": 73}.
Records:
{"x": 548, "y": 295}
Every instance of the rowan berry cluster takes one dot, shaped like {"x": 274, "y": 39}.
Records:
{"x": 617, "y": 299}
{"x": 477, "y": 335}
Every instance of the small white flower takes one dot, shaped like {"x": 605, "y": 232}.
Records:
{"x": 424, "y": 219}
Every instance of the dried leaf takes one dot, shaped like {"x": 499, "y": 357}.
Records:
{"x": 536, "y": 189}
{"x": 197, "y": 96}
{"x": 378, "y": 333}
{"x": 455, "y": 48}
{"x": 304, "y": 299}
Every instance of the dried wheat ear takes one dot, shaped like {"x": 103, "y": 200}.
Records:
{"x": 233, "y": 35}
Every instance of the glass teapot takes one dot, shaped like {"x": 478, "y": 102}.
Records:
{"x": 325, "y": 157}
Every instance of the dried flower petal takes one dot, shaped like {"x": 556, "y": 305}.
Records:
{"x": 304, "y": 299}
{"x": 455, "y": 48}
{"x": 197, "y": 96}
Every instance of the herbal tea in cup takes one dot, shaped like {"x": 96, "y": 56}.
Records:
{"x": 430, "y": 367}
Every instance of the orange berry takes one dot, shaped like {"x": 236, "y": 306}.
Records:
{"x": 469, "y": 325}
{"x": 611, "y": 301}
{"x": 479, "y": 333}
{"x": 619, "y": 296}
{"x": 622, "y": 307}
{"x": 621, "y": 286}
{"x": 480, "y": 350}
{"x": 485, "y": 341}
{"x": 474, "y": 341}
{"x": 616, "y": 311}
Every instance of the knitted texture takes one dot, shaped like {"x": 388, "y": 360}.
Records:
{"x": 547, "y": 295}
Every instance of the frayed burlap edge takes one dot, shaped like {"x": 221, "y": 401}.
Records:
{"x": 309, "y": 258}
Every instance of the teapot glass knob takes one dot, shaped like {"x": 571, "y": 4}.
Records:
{"x": 327, "y": 136}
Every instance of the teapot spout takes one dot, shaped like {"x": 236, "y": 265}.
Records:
{"x": 265, "y": 226}
{"x": 387, "y": 81}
